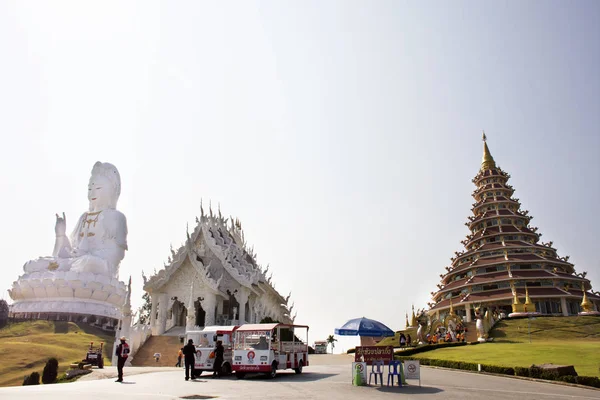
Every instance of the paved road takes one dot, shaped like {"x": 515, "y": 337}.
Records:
{"x": 328, "y": 378}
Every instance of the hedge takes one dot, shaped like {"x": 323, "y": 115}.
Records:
{"x": 428, "y": 347}
{"x": 531, "y": 372}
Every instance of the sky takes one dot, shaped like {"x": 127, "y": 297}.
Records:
{"x": 343, "y": 134}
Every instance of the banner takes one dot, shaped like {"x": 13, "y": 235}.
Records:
{"x": 369, "y": 354}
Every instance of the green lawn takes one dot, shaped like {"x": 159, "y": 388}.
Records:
{"x": 26, "y": 346}
{"x": 585, "y": 356}
{"x": 557, "y": 340}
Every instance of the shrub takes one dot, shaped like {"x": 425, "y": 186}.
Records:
{"x": 520, "y": 371}
{"x": 568, "y": 378}
{"x": 50, "y": 371}
{"x": 496, "y": 369}
{"x": 33, "y": 379}
{"x": 593, "y": 381}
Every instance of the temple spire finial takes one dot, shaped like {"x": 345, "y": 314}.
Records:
{"x": 487, "y": 162}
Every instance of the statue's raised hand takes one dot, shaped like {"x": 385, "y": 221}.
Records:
{"x": 61, "y": 225}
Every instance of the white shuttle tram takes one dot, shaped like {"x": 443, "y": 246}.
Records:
{"x": 267, "y": 348}
{"x": 205, "y": 341}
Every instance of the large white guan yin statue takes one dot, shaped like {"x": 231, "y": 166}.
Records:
{"x": 99, "y": 240}
{"x": 81, "y": 276}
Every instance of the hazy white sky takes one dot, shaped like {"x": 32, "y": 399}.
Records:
{"x": 343, "y": 134}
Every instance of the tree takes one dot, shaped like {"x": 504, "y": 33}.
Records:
{"x": 3, "y": 312}
{"x": 331, "y": 340}
{"x": 50, "y": 371}
{"x": 145, "y": 310}
{"x": 33, "y": 379}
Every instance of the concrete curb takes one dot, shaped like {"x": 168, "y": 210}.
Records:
{"x": 523, "y": 378}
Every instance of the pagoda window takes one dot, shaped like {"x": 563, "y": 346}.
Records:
{"x": 469, "y": 273}
{"x": 476, "y": 288}
{"x": 501, "y": 267}
{"x": 573, "y": 307}
{"x": 515, "y": 267}
{"x": 454, "y": 294}
{"x": 506, "y": 221}
{"x": 534, "y": 284}
{"x": 491, "y": 269}
{"x": 448, "y": 296}
{"x": 547, "y": 282}
{"x": 490, "y": 287}
{"x": 525, "y": 266}
{"x": 503, "y": 285}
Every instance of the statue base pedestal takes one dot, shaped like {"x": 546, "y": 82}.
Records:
{"x": 523, "y": 314}
{"x": 74, "y": 308}
{"x": 587, "y": 313}
{"x": 46, "y": 295}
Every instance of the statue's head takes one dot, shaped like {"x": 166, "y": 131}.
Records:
{"x": 104, "y": 187}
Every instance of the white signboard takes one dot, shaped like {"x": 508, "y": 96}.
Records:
{"x": 412, "y": 370}
{"x": 359, "y": 370}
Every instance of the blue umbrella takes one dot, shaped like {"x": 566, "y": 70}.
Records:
{"x": 364, "y": 327}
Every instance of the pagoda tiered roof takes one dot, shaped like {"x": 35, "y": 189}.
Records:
{"x": 503, "y": 255}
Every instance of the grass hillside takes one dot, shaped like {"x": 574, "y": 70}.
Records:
{"x": 557, "y": 340}
{"x": 26, "y": 346}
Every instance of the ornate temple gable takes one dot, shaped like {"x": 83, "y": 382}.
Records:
{"x": 200, "y": 270}
{"x": 216, "y": 254}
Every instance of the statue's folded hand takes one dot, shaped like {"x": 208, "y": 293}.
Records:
{"x": 61, "y": 225}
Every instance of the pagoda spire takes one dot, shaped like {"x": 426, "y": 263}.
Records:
{"x": 487, "y": 162}
{"x": 586, "y": 305}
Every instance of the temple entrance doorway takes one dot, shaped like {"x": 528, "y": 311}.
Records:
{"x": 179, "y": 313}
{"x": 200, "y": 313}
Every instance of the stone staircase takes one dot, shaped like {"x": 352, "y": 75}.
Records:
{"x": 167, "y": 346}
{"x": 471, "y": 331}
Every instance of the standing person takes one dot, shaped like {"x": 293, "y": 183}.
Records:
{"x": 402, "y": 340}
{"x": 408, "y": 340}
{"x": 179, "y": 356}
{"x": 219, "y": 350}
{"x": 122, "y": 353}
{"x": 189, "y": 353}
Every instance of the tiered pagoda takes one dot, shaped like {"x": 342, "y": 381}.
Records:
{"x": 504, "y": 267}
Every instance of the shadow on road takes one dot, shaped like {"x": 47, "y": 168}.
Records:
{"x": 409, "y": 389}
{"x": 290, "y": 377}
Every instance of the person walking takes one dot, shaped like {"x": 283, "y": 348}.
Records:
{"x": 122, "y": 353}
{"x": 219, "y": 351}
{"x": 189, "y": 353}
{"x": 179, "y": 357}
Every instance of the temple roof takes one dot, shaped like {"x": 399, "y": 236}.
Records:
{"x": 223, "y": 239}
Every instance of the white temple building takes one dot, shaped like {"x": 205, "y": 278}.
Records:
{"x": 213, "y": 279}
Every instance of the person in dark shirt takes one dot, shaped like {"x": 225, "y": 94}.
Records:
{"x": 189, "y": 352}
{"x": 122, "y": 353}
{"x": 219, "y": 351}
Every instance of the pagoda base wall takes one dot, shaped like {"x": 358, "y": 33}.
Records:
{"x": 523, "y": 314}
{"x": 586, "y": 313}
